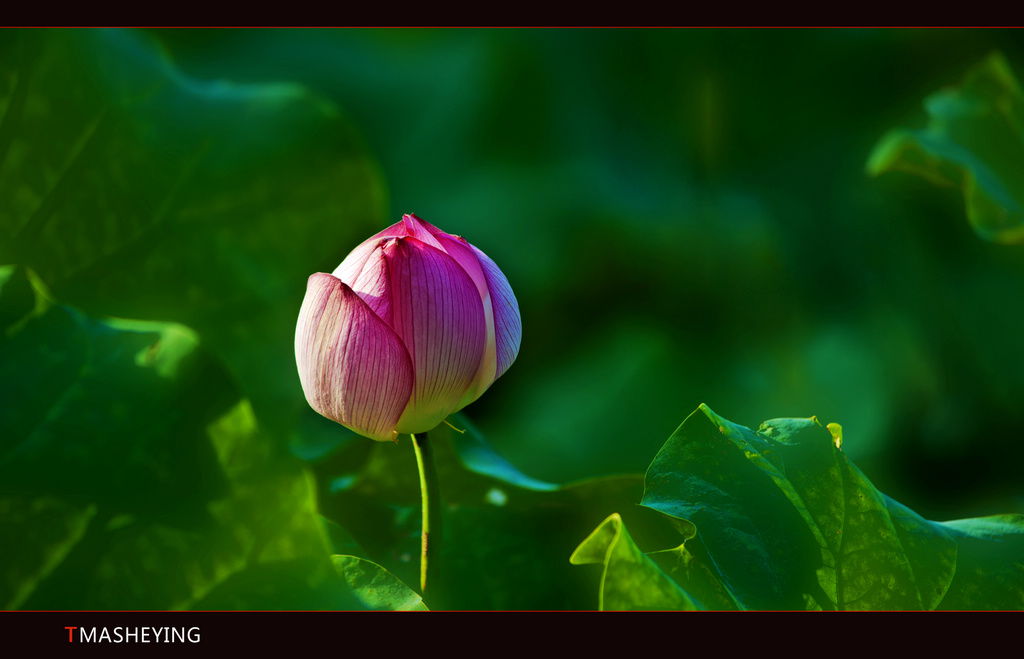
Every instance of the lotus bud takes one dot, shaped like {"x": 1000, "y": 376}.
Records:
{"x": 414, "y": 325}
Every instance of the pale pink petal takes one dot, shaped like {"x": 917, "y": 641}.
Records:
{"x": 352, "y": 267}
{"x": 368, "y": 276}
{"x": 508, "y": 324}
{"x": 440, "y": 318}
{"x": 353, "y": 368}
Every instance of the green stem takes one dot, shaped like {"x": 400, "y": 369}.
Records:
{"x": 430, "y": 494}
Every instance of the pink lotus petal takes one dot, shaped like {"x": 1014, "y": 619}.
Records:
{"x": 372, "y": 282}
{"x": 353, "y": 367}
{"x": 357, "y": 260}
{"x": 440, "y": 318}
{"x": 463, "y": 252}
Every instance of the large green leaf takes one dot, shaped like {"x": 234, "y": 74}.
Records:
{"x": 105, "y": 411}
{"x": 134, "y": 190}
{"x": 789, "y": 523}
{"x": 975, "y": 141}
{"x": 124, "y": 485}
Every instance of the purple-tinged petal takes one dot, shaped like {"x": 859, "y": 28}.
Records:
{"x": 508, "y": 324}
{"x": 354, "y": 369}
{"x": 463, "y": 253}
{"x": 440, "y": 319}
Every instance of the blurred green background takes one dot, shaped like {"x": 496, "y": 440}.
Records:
{"x": 685, "y": 217}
